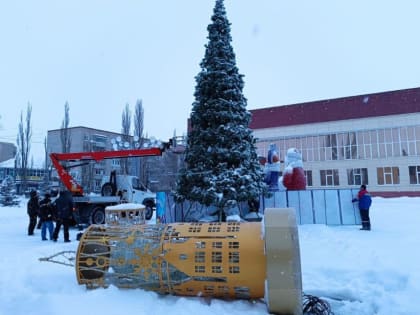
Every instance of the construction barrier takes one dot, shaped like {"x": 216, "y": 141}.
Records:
{"x": 318, "y": 206}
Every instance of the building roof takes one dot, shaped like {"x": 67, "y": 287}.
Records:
{"x": 88, "y": 128}
{"x": 8, "y": 163}
{"x": 351, "y": 107}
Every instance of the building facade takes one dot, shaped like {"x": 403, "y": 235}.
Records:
{"x": 7, "y": 151}
{"x": 85, "y": 139}
{"x": 371, "y": 139}
{"x": 156, "y": 172}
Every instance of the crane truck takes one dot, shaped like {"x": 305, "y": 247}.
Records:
{"x": 90, "y": 209}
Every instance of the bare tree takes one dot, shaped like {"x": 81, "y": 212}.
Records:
{"x": 65, "y": 135}
{"x": 47, "y": 161}
{"x": 47, "y": 165}
{"x": 125, "y": 130}
{"x": 139, "y": 121}
{"x": 24, "y": 145}
{"x": 138, "y": 134}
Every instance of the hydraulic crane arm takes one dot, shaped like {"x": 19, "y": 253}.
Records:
{"x": 75, "y": 188}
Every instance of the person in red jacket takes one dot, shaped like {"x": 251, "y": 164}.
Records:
{"x": 294, "y": 176}
{"x": 365, "y": 201}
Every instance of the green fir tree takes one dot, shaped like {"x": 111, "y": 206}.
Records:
{"x": 8, "y": 195}
{"x": 222, "y": 166}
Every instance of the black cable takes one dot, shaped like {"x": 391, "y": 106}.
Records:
{"x": 313, "y": 305}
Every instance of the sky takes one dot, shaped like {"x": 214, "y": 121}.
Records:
{"x": 100, "y": 55}
{"x": 357, "y": 272}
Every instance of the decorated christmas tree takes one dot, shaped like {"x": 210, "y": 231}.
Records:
{"x": 222, "y": 166}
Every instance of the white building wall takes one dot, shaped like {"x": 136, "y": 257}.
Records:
{"x": 264, "y": 136}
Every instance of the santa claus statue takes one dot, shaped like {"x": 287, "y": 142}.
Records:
{"x": 293, "y": 176}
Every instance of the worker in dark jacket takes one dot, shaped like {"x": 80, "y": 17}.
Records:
{"x": 365, "y": 201}
{"x": 33, "y": 211}
{"x": 64, "y": 209}
{"x": 46, "y": 210}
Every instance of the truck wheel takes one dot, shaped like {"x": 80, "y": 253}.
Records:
{"x": 98, "y": 216}
{"x": 108, "y": 189}
{"x": 149, "y": 209}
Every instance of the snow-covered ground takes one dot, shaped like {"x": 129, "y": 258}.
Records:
{"x": 358, "y": 272}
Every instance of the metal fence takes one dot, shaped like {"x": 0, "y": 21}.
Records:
{"x": 318, "y": 206}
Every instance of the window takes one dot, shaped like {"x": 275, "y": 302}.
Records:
{"x": 317, "y": 148}
{"x": 329, "y": 177}
{"x": 329, "y": 148}
{"x": 214, "y": 227}
{"x": 396, "y": 143}
{"x": 216, "y": 269}
{"x": 233, "y": 269}
{"x": 350, "y": 146}
{"x": 200, "y": 269}
{"x": 367, "y": 145}
{"x": 374, "y": 142}
{"x": 216, "y": 257}
{"x": 357, "y": 176}
{"x": 200, "y": 245}
{"x": 200, "y": 257}
{"x": 233, "y": 257}
{"x": 233, "y": 244}
{"x": 414, "y": 172}
{"x": 99, "y": 171}
{"x": 115, "y": 162}
{"x": 418, "y": 139}
{"x": 308, "y": 176}
{"x": 411, "y": 141}
{"x": 97, "y": 184}
{"x": 388, "y": 175}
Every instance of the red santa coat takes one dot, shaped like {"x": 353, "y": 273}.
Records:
{"x": 294, "y": 176}
{"x": 294, "y": 180}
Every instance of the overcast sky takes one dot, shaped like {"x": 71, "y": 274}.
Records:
{"x": 100, "y": 55}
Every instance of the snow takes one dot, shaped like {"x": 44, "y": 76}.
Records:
{"x": 357, "y": 272}
{"x": 127, "y": 206}
{"x": 8, "y": 163}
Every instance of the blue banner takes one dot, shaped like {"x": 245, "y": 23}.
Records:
{"x": 160, "y": 207}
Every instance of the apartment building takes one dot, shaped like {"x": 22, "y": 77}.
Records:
{"x": 85, "y": 139}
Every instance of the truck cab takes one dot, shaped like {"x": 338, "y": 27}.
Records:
{"x": 130, "y": 189}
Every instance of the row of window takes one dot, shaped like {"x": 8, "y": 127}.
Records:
{"x": 368, "y": 144}
{"x": 216, "y": 257}
{"x": 31, "y": 173}
{"x": 388, "y": 175}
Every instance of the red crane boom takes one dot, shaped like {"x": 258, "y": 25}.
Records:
{"x": 75, "y": 188}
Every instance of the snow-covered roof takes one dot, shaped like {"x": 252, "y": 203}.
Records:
{"x": 8, "y": 163}
{"x": 11, "y": 163}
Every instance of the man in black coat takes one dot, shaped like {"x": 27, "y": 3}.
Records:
{"x": 33, "y": 211}
{"x": 64, "y": 208}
